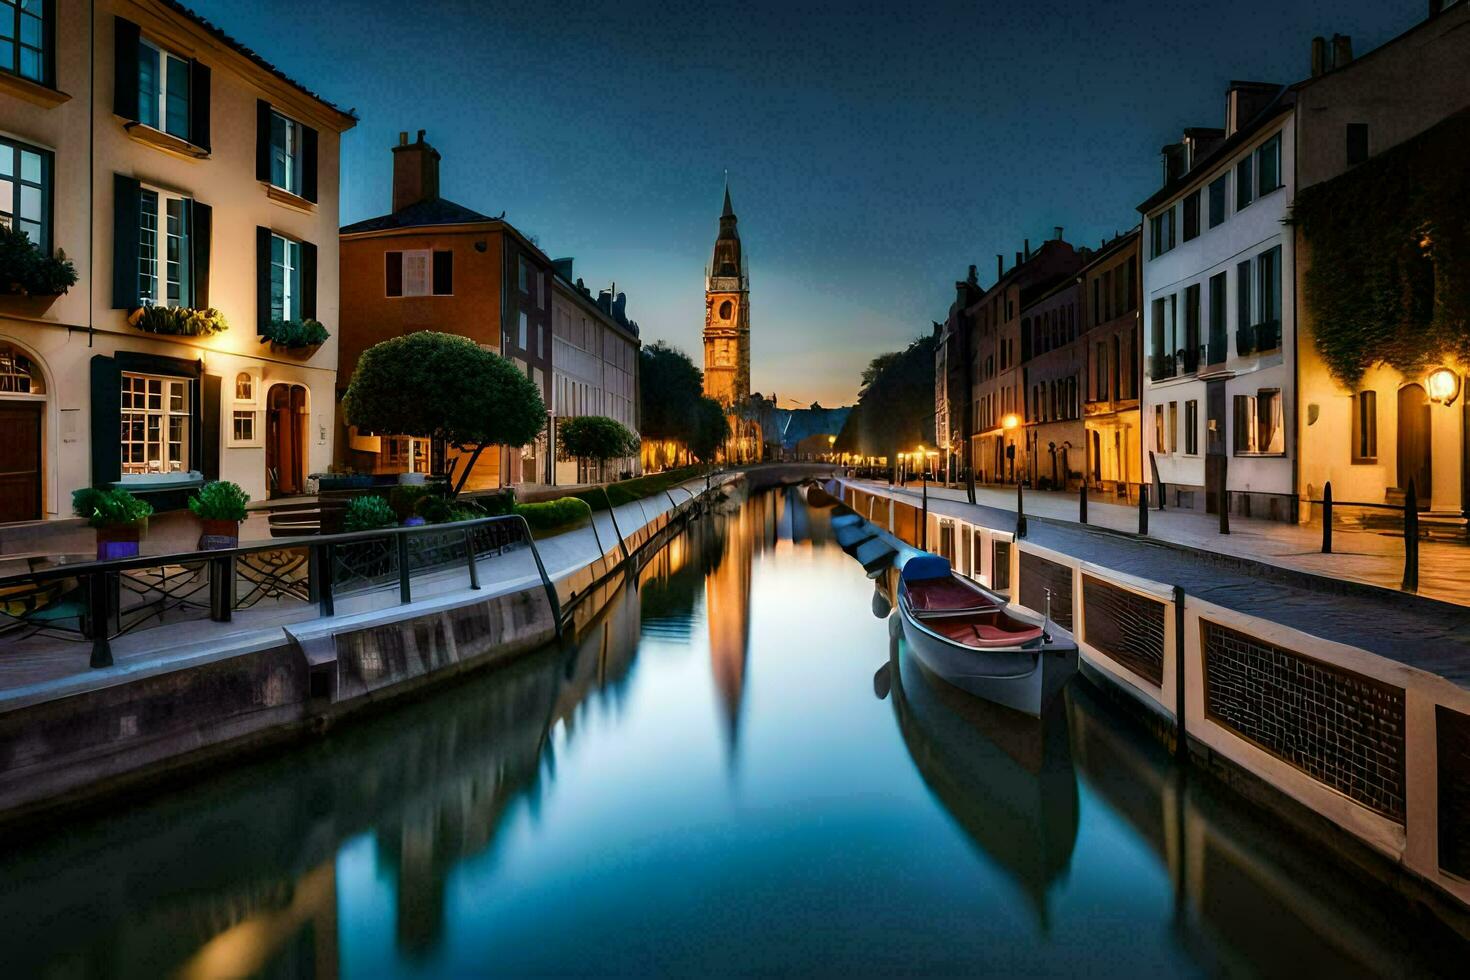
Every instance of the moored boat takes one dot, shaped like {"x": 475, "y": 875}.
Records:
{"x": 970, "y": 637}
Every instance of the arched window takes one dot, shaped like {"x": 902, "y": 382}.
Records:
{"x": 18, "y": 376}
{"x": 725, "y": 308}
{"x": 244, "y": 387}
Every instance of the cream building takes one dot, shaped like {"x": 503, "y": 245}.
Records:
{"x": 212, "y": 182}
{"x": 594, "y": 366}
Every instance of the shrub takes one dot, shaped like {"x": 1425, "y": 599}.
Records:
{"x": 110, "y": 507}
{"x": 220, "y": 501}
{"x": 404, "y": 500}
{"x": 296, "y": 334}
{"x": 26, "y": 270}
{"x": 492, "y": 504}
{"x": 179, "y": 321}
{"x": 546, "y": 515}
{"x": 434, "y": 509}
{"x": 368, "y": 513}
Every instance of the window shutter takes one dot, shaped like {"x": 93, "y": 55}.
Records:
{"x": 308, "y": 163}
{"x": 124, "y": 242}
{"x": 443, "y": 273}
{"x": 125, "y": 68}
{"x": 106, "y": 421}
{"x": 308, "y": 280}
{"x": 48, "y": 42}
{"x": 394, "y": 264}
{"x": 262, "y": 140}
{"x": 209, "y": 422}
{"x": 201, "y": 230}
{"x": 262, "y": 279}
{"x": 199, "y": 105}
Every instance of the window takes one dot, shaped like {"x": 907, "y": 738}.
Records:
{"x": 1357, "y": 143}
{"x": 23, "y": 44}
{"x": 155, "y": 424}
{"x": 1365, "y": 427}
{"x": 725, "y": 309}
{"x": 1268, "y": 166}
{"x": 1191, "y": 329}
{"x": 285, "y": 279}
{"x": 1100, "y": 366}
{"x": 525, "y": 278}
{"x": 1191, "y": 427}
{"x": 1218, "y": 329}
{"x": 1244, "y": 185}
{"x": 285, "y": 153}
{"x": 25, "y": 189}
{"x": 1268, "y": 291}
{"x": 1159, "y": 429}
{"x": 1245, "y": 315}
{"x": 163, "y": 90}
{"x": 1173, "y": 427}
{"x": 1217, "y": 200}
{"x": 1258, "y": 428}
{"x": 244, "y": 387}
{"x": 243, "y": 425}
{"x": 18, "y": 376}
{"x": 1161, "y": 233}
{"x": 163, "y": 249}
{"x": 420, "y": 272}
{"x": 1191, "y": 216}
{"x": 524, "y": 331}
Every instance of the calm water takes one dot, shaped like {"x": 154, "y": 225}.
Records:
{"x": 706, "y": 782}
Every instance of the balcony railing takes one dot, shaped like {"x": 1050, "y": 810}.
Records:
{"x": 1258, "y": 339}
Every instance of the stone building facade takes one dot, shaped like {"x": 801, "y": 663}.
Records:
{"x": 1110, "y": 299}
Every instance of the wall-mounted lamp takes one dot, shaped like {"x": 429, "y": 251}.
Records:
{"x": 1444, "y": 386}
{"x": 1010, "y": 422}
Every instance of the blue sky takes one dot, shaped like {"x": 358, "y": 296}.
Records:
{"x": 874, "y": 150}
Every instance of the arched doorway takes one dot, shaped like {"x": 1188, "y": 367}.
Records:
{"x": 22, "y": 407}
{"x": 285, "y": 440}
{"x": 1414, "y": 449}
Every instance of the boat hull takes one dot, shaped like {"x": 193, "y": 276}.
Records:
{"x": 1024, "y": 680}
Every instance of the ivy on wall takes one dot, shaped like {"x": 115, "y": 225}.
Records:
{"x": 1389, "y": 245}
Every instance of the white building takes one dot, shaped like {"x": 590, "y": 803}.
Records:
{"x": 594, "y": 365}
{"x": 1218, "y": 323}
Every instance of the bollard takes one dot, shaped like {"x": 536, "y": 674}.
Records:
{"x": 99, "y": 616}
{"x": 1224, "y": 510}
{"x": 1143, "y": 508}
{"x": 1327, "y": 518}
{"x": 1020, "y": 513}
{"x": 1411, "y": 540}
{"x": 1082, "y": 503}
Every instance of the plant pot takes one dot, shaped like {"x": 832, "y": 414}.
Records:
{"x": 414, "y": 521}
{"x": 305, "y": 352}
{"x": 118, "y": 541}
{"x": 27, "y": 304}
{"x": 412, "y": 479}
{"x": 219, "y": 534}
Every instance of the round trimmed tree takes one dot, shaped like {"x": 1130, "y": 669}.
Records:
{"x": 596, "y": 438}
{"x": 442, "y": 386}
{"x": 710, "y": 430}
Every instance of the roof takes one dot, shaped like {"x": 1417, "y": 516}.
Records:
{"x": 1284, "y": 102}
{"x": 629, "y": 328}
{"x": 1111, "y": 248}
{"x": 254, "y": 57}
{"x": 434, "y": 211}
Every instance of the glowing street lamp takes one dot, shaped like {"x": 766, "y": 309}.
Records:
{"x": 1444, "y": 386}
{"x": 1010, "y": 422}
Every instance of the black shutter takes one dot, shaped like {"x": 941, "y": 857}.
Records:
{"x": 48, "y": 42}
{"x": 199, "y": 105}
{"x": 395, "y": 273}
{"x": 106, "y": 421}
{"x": 262, "y": 279}
{"x": 263, "y": 140}
{"x": 201, "y": 230}
{"x": 443, "y": 273}
{"x": 209, "y": 398}
{"x": 124, "y": 68}
{"x": 124, "y": 242}
{"x": 308, "y": 163}
{"x": 308, "y": 281}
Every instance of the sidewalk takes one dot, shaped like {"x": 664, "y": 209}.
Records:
{"x": 1429, "y": 635}
{"x": 1357, "y": 556}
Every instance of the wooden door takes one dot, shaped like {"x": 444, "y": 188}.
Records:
{"x": 20, "y": 461}
{"x": 285, "y": 440}
{"x": 1414, "y": 449}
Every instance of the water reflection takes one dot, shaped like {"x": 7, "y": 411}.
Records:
{"x": 582, "y": 811}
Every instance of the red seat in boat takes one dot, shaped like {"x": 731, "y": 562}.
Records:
{"x": 982, "y": 635}
{"x": 944, "y": 595}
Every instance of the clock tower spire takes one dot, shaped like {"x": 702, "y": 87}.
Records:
{"x": 727, "y": 316}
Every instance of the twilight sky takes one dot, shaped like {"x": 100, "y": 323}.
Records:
{"x": 874, "y": 149}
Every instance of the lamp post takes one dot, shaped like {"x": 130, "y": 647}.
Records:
{"x": 924, "y": 519}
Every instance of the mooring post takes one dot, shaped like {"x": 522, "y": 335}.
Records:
{"x": 1327, "y": 518}
{"x": 99, "y": 613}
{"x": 1082, "y": 502}
{"x": 1411, "y": 540}
{"x": 1020, "y": 512}
{"x": 1143, "y": 508}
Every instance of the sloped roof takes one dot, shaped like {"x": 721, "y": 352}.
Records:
{"x": 434, "y": 211}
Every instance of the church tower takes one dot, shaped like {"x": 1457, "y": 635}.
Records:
{"x": 727, "y": 317}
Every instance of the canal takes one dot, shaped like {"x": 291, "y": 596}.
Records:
{"x": 706, "y": 781}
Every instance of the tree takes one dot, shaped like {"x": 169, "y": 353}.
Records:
{"x": 669, "y": 389}
{"x": 895, "y": 408}
{"x": 441, "y": 386}
{"x": 710, "y": 429}
{"x": 596, "y": 438}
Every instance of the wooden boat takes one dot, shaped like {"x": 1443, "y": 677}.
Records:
{"x": 971, "y": 638}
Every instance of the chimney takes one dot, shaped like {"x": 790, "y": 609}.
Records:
{"x": 1342, "y": 50}
{"x": 1000, "y": 267}
{"x": 973, "y": 278}
{"x": 563, "y": 268}
{"x": 1019, "y": 258}
{"x": 1027, "y": 243}
{"x": 1058, "y": 235}
{"x": 620, "y": 307}
{"x": 1319, "y": 55}
{"x": 1244, "y": 102}
{"x": 415, "y": 172}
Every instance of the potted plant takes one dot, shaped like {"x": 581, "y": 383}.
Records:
{"x": 220, "y": 505}
{"x": 118, "y": 516}
{"x": 32, "y": 277}
{"x": 303, "y": 336}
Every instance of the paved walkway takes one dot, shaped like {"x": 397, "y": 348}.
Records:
{"x": 1432, "y": 636}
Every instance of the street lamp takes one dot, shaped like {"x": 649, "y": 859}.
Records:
{"x": 1444, "y": 386}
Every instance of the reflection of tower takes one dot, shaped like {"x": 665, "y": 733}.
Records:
{"x": 727, "y": 607}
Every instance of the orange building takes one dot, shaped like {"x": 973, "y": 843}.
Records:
{"x": 431, "y": 264}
